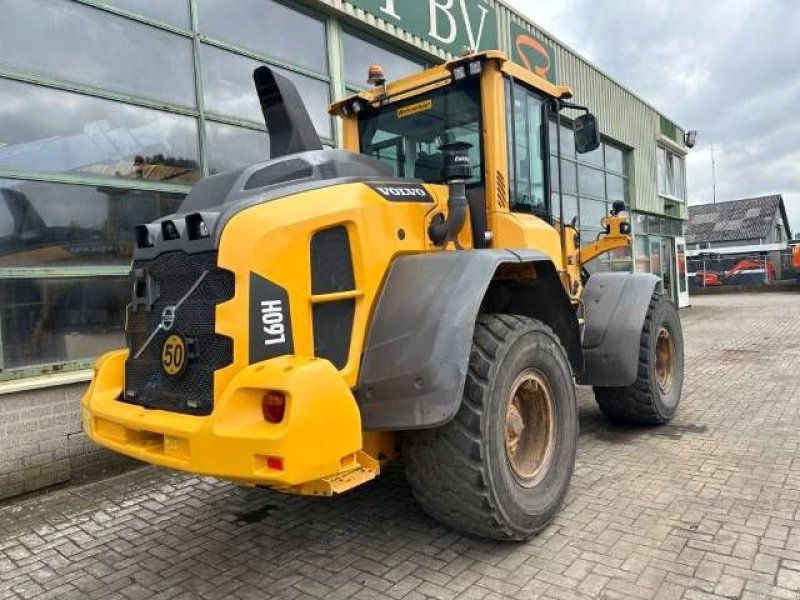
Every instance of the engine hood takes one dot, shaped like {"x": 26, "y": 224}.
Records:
{"x": 201, "y": 218}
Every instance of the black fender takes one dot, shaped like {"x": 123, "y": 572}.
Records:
{"x": 416, "y": 356}
{"x": 615, "y": 307}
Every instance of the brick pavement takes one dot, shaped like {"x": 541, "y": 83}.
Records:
{"x": 704, "y": 508}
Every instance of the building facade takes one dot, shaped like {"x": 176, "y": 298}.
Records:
{"x": 111, "y": 109}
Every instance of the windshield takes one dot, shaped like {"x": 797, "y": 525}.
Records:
{"x": 407, "y": 134}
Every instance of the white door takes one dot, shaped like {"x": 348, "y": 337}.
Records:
{"x": 682, "y": 272}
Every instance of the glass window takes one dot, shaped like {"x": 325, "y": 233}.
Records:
{"x": 592, "y": 211}
{"x": 654, "y": 224}
{"x": 591, "y": 181}
{"x": 526, "y": 164}
{"x": 43, "y": 129}
{"x": 359, "y": 54}
{"x": 58, "y": 320}
{"x": 621, "y": 259}
{"x": 655, "y": 255}
{"x": 615, "y": 160}
{"x": 409, "y": 141}
{"x": 269, "y": 28}
{"x": 595, "y": 157}
{"x": 570, "y": 207}
{"x": 679, "y": 181}
{"x": 639, "y": 223}
{"x": 567, "y": 139}
{"x": 229, "y": 89}
{"x": 670, "y": 174}
{"x": 641, "y": 254}
{"x": 175, "y": 12}
{"x": 569, "y": 176}
{"x": 615, "y": 187}
{"x": 70, "y": 40}
{"x": 232, "y": 147}
{"x": 67, "y": 225}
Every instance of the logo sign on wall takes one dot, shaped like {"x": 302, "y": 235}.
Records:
{"x": 532, "y": 53}
{"x": 450, "y": 25}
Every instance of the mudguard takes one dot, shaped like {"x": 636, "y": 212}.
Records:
{"x": 615, "y": 307}
{"x": 416, "y": 357}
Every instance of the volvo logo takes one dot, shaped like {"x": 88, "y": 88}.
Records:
{"x": 168, "y": 318}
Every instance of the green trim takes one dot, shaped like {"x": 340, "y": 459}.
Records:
{"x": 116, "y": 10}
{"x": 338, "y": 90}
{"x": 82, "y": 179}
{"x": 44, "y": 80}
{"x": 228, "y": 120}
{"x": 64, "y": 272}
{"x": 276, "y": 62}
{"x": 199, "y": 92}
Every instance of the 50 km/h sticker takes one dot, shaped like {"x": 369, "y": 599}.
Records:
{"x": 173, "y": 355}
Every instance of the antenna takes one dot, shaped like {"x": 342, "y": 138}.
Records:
{"x": 713, "y": 173}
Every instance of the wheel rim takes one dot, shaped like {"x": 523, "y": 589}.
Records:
{"x": 530, "y": 428}
{"x": 665, "y": 360}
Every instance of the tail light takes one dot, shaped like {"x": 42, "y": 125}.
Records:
{"x": 275, "y": 463}
{"x": 273, "y": 406}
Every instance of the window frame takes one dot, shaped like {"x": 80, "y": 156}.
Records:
{"x": 578, "y": 164}
{"x": 671, "y": 159}
{"x": 546, "y": 210}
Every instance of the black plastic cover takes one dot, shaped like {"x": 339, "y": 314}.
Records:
{"x": 615, "y": 307}
{"x": 417, "y": 353}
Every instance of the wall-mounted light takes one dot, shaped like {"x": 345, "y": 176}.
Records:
{"x": 690, "y": 138}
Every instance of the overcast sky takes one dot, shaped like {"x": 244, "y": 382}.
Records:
{"x": 728, "y": 68}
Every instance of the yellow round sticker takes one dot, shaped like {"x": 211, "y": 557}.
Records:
{"x": 173, "y": 355}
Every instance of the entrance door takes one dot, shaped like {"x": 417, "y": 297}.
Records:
{"x": 682, "y": 272}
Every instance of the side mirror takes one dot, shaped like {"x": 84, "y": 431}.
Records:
{"x": 587, "y": 134}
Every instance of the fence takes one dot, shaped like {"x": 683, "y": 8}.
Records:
{"x": 750, "y": 269}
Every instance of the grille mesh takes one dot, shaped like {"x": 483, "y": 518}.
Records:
{"x": 146, "y": 383}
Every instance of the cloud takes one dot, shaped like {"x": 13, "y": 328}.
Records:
{"x": 729, "y": 69}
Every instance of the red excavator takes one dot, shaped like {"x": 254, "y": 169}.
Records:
{"x": 741, "y": 273}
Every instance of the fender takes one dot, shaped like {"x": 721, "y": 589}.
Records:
{"x": 615, "y": 307}
{"x": 416, "y": 357}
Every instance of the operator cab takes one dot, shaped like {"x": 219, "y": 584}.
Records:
{"x": 405, "y": 126}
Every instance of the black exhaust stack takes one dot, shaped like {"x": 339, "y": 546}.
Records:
{"x": 455, "y": 173}
{"x": 288, "y": 123}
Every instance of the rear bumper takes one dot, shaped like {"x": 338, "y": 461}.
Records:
{"x": 318, "y": 437}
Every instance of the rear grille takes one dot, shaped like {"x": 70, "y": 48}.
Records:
{"x": 173, "y": 274}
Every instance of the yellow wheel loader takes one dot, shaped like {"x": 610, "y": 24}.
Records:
{"x": 303, "y": 321}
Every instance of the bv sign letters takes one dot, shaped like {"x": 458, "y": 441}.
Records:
{"x": 447, "y": 24}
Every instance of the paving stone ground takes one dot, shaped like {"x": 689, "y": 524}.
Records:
{"x": 706, "y": 507}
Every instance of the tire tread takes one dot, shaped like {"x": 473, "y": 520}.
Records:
{"x": 453, "y": 486}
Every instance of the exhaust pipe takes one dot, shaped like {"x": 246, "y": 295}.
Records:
{"x": 455, "y": 172}
{"x": 288, "y": 123}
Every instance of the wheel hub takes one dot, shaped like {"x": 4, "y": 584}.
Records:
{"x": 530, "y": 428}
{"x": 665, "y": 360}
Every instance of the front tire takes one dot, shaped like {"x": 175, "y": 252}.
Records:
{"x": 502, "y": 467}
{"x": 654, "y": 397}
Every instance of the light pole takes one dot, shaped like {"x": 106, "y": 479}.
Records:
{"x": 713, "y": 174}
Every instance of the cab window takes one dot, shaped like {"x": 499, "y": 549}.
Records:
{"x": 408, "y": 134}
{"x": 524, "y": 134}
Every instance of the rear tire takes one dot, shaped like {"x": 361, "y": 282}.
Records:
{"x": 501, "y": 468}
{"x": 654, "y": 397}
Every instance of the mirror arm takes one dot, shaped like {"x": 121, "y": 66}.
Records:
{"x": 563, "y": 104}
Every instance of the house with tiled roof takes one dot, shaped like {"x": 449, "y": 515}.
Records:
{"x": 738, "y": 226}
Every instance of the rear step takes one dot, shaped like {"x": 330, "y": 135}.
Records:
{"x": 365, "y": 468}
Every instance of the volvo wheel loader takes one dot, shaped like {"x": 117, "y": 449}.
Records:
{"x": 303, "y": 321}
